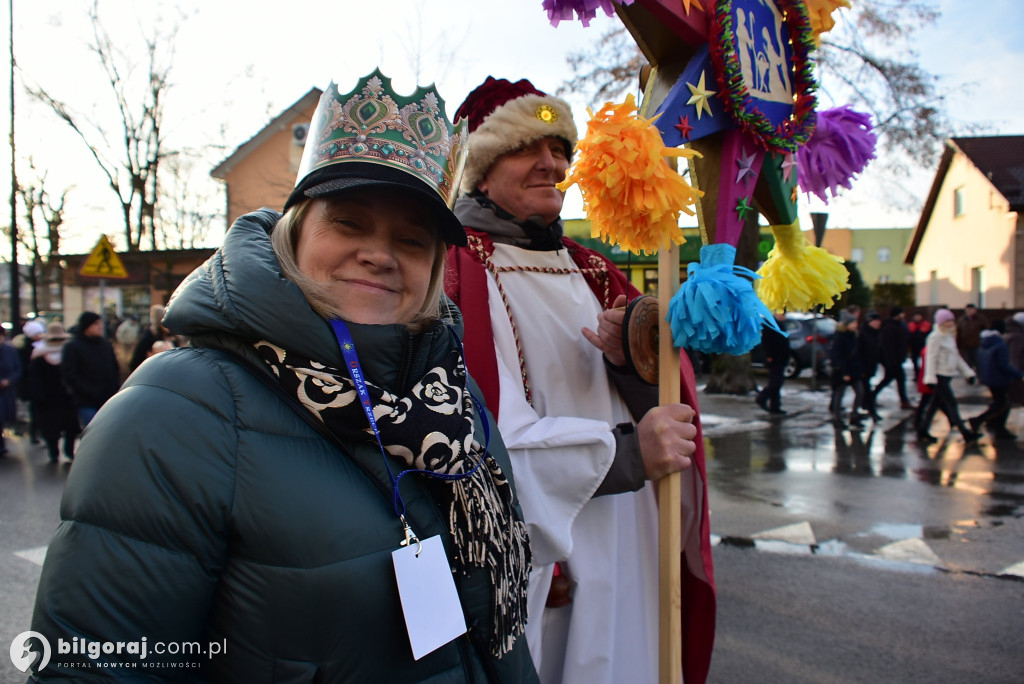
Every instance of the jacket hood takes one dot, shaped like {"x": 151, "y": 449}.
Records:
{"x": 990, "y": 338}
{"x": 239, "y": 292}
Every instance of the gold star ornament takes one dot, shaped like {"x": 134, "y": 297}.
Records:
{"x": 699, "y": 96}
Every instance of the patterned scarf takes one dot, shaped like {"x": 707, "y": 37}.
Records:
{"x": 431, "y": 429}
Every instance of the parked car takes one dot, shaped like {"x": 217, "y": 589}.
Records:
{"x": 810, "y": 336}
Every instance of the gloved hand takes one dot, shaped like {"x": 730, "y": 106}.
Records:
{"x": 973, "y": 380}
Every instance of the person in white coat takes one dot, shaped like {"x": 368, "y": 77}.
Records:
{"x": 942, "y": 364}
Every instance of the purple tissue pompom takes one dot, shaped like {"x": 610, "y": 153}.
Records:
{"x": 842, "y": 145}
{"x": 561, "y": 10}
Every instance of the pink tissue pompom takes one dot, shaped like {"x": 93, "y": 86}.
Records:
{"x": 562, "y": 10}
{"x": 840, "y": 147}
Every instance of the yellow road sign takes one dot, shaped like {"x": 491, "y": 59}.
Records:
{"x": 103, "y": 262}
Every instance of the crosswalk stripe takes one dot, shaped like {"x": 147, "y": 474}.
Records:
{"x": 910, "y": 551}
{"x": 1015, "y": 569}
{"x": 35, "y": 555}
{"x": 797, "y": 533}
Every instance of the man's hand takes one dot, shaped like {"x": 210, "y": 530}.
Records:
{"x": 608, "y": 337}
{"x": 666, "y": 437}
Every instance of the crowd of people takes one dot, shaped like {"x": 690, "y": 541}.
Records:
{"x": 62, "y": 377}
{"x": 970, "y": 348}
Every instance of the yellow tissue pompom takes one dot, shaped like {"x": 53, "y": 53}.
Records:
{"x": 630, "y": 193}
{"x": 820, "y": 14}
{"x": 797, "y": 275}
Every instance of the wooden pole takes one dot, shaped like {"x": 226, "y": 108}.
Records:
{"x": 670, "y": 545}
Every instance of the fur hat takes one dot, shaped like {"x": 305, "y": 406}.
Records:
{"x": 505, "y": 116}
{"x": 33, "y": 329}
{"x": 845, "y": 317}
{"x": 944, "y": 316}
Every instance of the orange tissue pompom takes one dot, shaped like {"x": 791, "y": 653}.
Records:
{"x": 630, "y": 193}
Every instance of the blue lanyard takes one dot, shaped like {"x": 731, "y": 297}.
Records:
{"x": 355, "y": 369}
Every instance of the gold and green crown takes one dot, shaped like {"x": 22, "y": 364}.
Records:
{"x": 373, "y": 124}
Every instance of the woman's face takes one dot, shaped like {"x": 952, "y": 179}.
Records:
{"x": 374, "y": 252}
{"x": 947, "y": 326}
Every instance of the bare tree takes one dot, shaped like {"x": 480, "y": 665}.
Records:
{"x": 131, "y": 166}
{"x": 866, "y": 61}
{"x": 42, "y": 241}
{"x": 186, "y": 212}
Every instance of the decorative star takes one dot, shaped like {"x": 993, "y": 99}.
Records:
{"x": 699, "y": 96}
{"x": 686, "y": 5}
{"x": 792, "y": 195}
{"x": 746, "y": 162}
{"x": 743, "y": 208}
{"x": 684, "y": 126}
{"x": 788, "y": 164}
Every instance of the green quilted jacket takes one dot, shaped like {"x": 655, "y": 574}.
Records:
{"x": 201, "y": 509}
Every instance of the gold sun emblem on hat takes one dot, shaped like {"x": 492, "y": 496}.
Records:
{"x": 547, "y": 113}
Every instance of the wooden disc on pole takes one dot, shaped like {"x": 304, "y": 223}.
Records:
{"x": 640, "y": 338}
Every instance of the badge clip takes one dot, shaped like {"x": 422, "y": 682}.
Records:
{"x": 410, "y": 536}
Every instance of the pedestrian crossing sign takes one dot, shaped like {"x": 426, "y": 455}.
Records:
{"x": 103, "y": 262}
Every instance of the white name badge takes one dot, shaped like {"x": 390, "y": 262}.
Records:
{"x": 433, "y": 612}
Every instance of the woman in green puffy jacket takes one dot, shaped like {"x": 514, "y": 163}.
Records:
{"x": 311, "y": 492}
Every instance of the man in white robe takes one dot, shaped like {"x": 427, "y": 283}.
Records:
{"x": 543, "y": 339}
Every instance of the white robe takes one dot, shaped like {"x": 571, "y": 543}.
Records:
{"x": 561, "y": 448}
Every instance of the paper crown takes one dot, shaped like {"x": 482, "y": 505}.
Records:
{"x": 374, "y": 125}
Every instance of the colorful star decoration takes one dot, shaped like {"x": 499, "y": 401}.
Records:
{"x": 788, "y": 164}
{"x": 686, "y": 5}
{"x": 746, "y": 164}
{"x": 684, "y": 127}
{"x": 743, "y": 208}
{"x": 699, "y": 96}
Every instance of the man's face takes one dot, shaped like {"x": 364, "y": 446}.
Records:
{"x": 94, "y": 330}
{"x": 523, "y": 182}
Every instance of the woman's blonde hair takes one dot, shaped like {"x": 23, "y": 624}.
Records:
{"x": 285, "y": 239}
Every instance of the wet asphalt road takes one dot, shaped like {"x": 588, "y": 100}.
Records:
{"x": 861, "y": 555}
{"x": 841, "y": 556}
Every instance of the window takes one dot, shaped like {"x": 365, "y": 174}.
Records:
{"x": 959, "y": 201}
{"x": 978, "y": 286}
{"x": 857, "y": 254}
{"x": 883, "y": 279}
{"x": 933, "y": 288}
{"x": 884, "y": 254}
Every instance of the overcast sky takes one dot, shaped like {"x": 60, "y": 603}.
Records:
{"x": 238, "y": 64}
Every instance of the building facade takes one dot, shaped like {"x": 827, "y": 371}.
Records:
{"x": 968, "y": 246}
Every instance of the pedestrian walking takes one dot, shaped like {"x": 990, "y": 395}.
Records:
{"x": 153, "y": 332}
{"x": 943, "y": 363}
{"x": 968, "y": 333}
{"x": 544, "y": 339}
{"x": 54, "y": 405}
{"x": 894, "y": 343}
{"x": 10, "y": 373}
{"x": 1014, "y": 338}
{"x": 89, "y": 367}
{"x": 870, "y": 353}
{"x": 31, "y": 336}
{"x": 918, "y": 329}
{"x": 316, "y": 471}
{"x": 775, "y": 344}
{"x": 846, "y": 370}
{"x": 997, "y": 374}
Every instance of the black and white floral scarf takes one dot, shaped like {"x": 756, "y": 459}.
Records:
{"x": 431, "y": 429}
